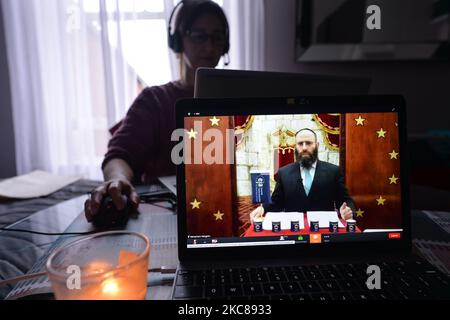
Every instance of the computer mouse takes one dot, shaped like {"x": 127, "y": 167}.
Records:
{"x": 109, "y": 217}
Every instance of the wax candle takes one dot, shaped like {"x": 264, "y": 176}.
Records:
{"x": 105, "y": 266}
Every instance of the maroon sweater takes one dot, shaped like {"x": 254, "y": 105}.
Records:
{"x": 143, "y": 139}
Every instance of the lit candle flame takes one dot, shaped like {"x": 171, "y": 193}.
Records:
{"x": 111, "y": 287}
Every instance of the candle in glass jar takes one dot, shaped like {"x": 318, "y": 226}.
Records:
{"x": 108, "y": 265}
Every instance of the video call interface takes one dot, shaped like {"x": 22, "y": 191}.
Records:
{"x": 291, "y": 179}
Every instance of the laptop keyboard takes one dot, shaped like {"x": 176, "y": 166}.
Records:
{"x": 412, "y": 279}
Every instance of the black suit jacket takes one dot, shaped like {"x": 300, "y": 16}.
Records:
{"x": 327, "y": 192}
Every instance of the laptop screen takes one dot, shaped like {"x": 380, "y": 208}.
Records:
{"x": 291, "y": 179}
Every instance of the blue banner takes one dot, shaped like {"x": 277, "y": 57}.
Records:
{"x": 260, "y": 187}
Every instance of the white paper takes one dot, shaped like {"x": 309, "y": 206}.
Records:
{"x": 285, "y": 218}
{"x": 324, "y": 218}
{"x": 34, "y": 184}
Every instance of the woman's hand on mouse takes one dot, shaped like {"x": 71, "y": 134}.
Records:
{"x": 114, "y": 188}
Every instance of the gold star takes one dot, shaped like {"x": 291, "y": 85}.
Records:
{"x": 393, "y": 154}
{"x": 380, "y": 201}
{"x": 359, "y": 212}
{"x": 393, "y": 180}
{"x": 381, "y": 133}
{"x": 214, "y": 121}
{"x": 195, "y": 204}
{"x": 192, "y": 134}
{"x": 360, "y": 121}
{"x": 218, "y": 215}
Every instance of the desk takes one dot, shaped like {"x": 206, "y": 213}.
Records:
{"x": 20, "y": 251}
{"x": 27, "y": 253}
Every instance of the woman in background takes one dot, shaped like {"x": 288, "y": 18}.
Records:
{"x": 140, "y": 149}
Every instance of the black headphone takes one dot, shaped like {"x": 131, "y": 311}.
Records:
{"x": 175, "y": 39}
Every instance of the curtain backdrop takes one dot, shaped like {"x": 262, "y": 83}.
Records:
{"x": 69, "y": 82}
{"x": 247, "y": 32}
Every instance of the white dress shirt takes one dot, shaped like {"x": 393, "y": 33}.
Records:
{"x": 312, "y": 171}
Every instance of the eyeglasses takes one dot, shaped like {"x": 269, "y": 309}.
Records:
{"x": 218, "y": 39}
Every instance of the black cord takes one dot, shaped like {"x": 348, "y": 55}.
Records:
{"x": 162, "y": 207}
{"x": 153, "y": 200}
{"x": 50, "y": 233}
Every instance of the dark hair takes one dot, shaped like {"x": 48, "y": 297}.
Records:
{"x": 190, "y": 11}
{"x": 308, "y": 129}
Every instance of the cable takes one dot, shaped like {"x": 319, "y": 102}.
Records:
{"x": 163, "y": 207}
{"x": 25, "y": 277}
{"x": 153, "y": 200}
{"x": 162, "y": 270}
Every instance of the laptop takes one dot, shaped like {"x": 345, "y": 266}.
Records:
{"x": 285, "y": 254}
{"x": 219, "y": 83}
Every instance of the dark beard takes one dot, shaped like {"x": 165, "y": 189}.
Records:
{"x": 307, "y": 162}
